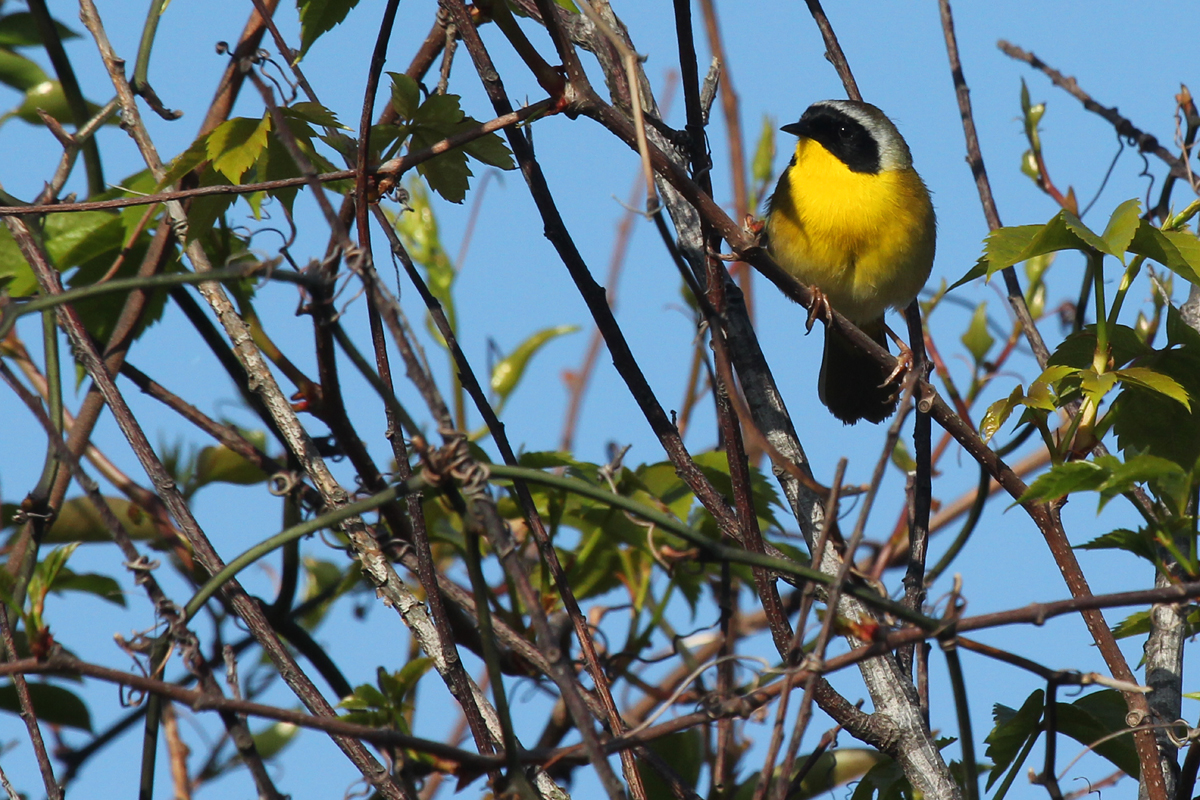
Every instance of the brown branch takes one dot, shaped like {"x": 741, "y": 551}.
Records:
{"x": 1145, "y": 142}
{"x": 25, "y": 702}
{"x": 199, "y": 700}
{"x": 730, "y": 110}
{"x": 1016, "y": 297}
{"x": 833, "y": 50}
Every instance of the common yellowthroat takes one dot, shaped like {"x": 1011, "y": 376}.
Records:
{"x": 851, "y": 217}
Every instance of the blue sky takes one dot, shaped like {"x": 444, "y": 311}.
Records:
{"x": 511, "y": 283}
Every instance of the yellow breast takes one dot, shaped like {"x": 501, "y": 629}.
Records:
{"x": 865, "y": 239}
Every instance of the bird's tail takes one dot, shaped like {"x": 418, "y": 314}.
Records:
{"x": 852, "y": 383}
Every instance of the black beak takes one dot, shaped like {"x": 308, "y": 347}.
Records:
{"x": 796, "y": 128}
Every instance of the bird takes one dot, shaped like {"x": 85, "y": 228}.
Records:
{"x": 851, "y": 218}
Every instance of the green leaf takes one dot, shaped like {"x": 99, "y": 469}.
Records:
{"x": 884, "y": 781}
{"x": 236, "y": 144}
{"x": 318, "y": 17}
{"x": 439, "y": 111}
{"x": 1012, "y": 730}
{"x": 185, "y": 162}
{"x": 19, "y": 72}
{"x": 1079, "y": 349}
{"x": 49, "y": 97}
{"x": 663, "y": 485}
{"x": 102, "y": 586}
{"x": 999, "y": 412}
{"x": 79, "y": 521}
{"x": 1063, "y": 479}
{"x": 902, "y": 459}
{"x": 275, "y": 164}
{"x": 329, "y": 581}
{"x": 762, "y": 166}
{"x": 1040, "y": 396}
{"x": 595, "y": 565}
{"x": 1137, "y": 542}
{"x": 1188, "y": 246}
{"x": 1095, "y": 386}
{"x": 418, "y": 229}
{"x": 1164, "y": 247}
{"x": 16, "y": 277}
{"x": 447, "y": 173}
{"x": 364, "y": 696}
{"x": 715, "y": 466}
{"x": 978, "y": 271}
{"x": 1154, "y": 381}
{"x": 94, "y": 256}
{"x": 20, "y": 30}
{"x": 315, "y": 113}
{"x": 435, "y": 119}
{"x": 834, "y": 768}
{"x": 1178, "y": 331}
{"x": 1085, "y": 234}
{"x": 508, "y": 371}
{"x": 1094, "y": 716}
{"x": 406, "y": 95}
{"x": 977, "y": 340}
{"x": 684, "y": 751}
{"x": 1136, "y": 469}
{"x": 400, "y": 685}
{"x": 220, "y": 464}
{"x": 1136, "y": 624}
{"x": 204, "y": 212}
{"x": 1122, "y": 226}
{"x": 1053, "y": 236}
{"x": 1151, "y": 422}
{"x": 489, "y": 149}
{"x": 52, "y": 704}
{"x": 271, "y": 740}
{"x": 72, "y": 239}
{"x": 546, "y": 459}
{"x": 1003, "y": 247}
{"x": 55, "y": 563}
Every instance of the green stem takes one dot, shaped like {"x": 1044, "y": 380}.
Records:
{"x": 1135, "y": 266}
{"x": 965, "y": 736}
{"x": 1100, "y": 361}
{"x": 11, "y": 314}
{"x": 1018, "y": 762}
{"x": 1047, "y": 438}
{"x": 976, "y": 511}
{"x": 54, "y": 400}
{"x": 154, "y": 704}
{"x": 141, "y": 67}
{"x": 491, "y": 658}
{"x": 416, "y": 483}
{"x": 714, "y": 550}
{"x": 40, "y": 496}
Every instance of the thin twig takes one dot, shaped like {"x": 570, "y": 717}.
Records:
{"x": 1145, "y": 142}
{"x": 833, "y": 50}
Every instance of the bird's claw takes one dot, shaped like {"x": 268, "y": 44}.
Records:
{"x": 820, "y": 308}
{"x": 754, "y": 228}
{"x": 904, "y": 362}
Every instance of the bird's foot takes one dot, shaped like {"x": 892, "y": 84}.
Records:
{"x": 904, "y": 362}
{"x": 820, "y": 308}
{"x": 755, "y": 229}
